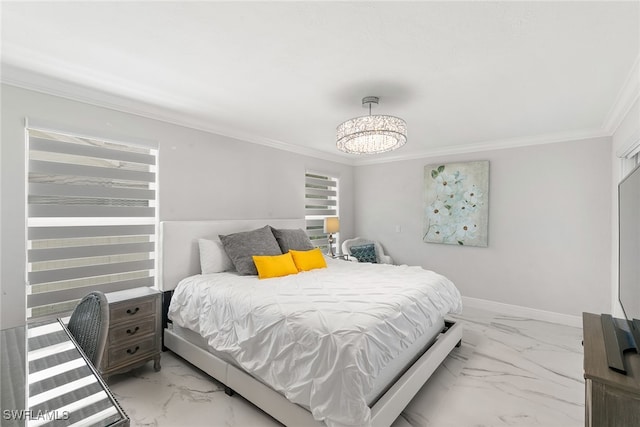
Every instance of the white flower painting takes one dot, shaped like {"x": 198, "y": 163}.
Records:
{"x": 456, "y": 203}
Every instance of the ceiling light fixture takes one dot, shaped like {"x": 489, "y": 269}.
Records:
{"x": 371, "y": 134}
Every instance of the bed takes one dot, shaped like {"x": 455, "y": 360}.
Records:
{"x": 367, "y": 339}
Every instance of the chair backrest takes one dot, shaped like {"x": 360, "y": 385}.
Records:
{"x": 89, "y": 324}
{"x": 381, "y": 257}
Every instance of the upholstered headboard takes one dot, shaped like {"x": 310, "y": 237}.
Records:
{"x": 179, "y": 254}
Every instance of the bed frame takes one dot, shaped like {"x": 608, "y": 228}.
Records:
{"x": 179, "y": 258}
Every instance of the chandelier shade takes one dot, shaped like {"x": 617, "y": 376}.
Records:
{"x": 371, "y": 134}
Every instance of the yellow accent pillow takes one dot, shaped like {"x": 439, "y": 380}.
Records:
{"x": 274, "y": 266}
{"x": 308, "y": 260}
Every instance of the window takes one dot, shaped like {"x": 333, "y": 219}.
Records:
{"x": 91, "y": 219}
{"x": 321, "y": 201}
{"x": 629, "y": 156}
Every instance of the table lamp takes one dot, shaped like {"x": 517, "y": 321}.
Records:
{"x": 331, "y": 226}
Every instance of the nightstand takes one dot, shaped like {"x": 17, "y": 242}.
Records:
{"x": 135, "y": 327}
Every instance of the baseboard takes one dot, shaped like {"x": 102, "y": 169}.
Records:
{"x": 520, "y": 311}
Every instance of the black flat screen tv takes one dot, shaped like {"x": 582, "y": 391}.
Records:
{"x": 624, "y": 334}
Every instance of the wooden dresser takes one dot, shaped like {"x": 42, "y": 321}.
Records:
{"x": 135, "y": 327}
{"x": 611, "y": 399}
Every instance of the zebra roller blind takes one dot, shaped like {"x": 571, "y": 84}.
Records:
{"x": 321, "y": 201}
{"x": 91, "y": 219}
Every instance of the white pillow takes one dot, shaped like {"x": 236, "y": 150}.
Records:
{"x": 213, "y": 258}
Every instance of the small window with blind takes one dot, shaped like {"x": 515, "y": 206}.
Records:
{"x": 91, "y": 219}
{"x": 321, "y": 201}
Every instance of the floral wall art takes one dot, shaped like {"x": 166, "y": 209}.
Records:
{"x": 456, "y": 203}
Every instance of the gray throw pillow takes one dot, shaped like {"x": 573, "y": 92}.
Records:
{"x": 295, "y": 239}
{"x": 242, "y": 246}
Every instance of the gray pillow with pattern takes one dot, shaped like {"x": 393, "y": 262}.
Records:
{"x": 364, "y": 253}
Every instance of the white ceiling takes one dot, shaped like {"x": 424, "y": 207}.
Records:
{"x": 464, "y": 75}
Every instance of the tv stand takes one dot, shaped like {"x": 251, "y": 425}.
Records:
{"x": 617, "y": 340}
{"x": 612, "y": 399}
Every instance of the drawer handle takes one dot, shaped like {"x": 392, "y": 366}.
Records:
{"x": 130, "y": 332}
{"x": 134, "y": 311}
{"x": 134, "y": 351}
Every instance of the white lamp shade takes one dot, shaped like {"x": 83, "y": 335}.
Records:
{"x": 331, "y": 224}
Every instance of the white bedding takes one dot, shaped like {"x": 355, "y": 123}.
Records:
{"x": 319, "y": 337}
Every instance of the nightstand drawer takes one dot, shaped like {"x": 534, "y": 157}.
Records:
{"x": 126, "y": 354}
{"x": 130, "y": 310}
{"x": 132, "y": 330}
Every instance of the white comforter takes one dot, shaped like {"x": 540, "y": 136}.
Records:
{"x": 318, "y": 337}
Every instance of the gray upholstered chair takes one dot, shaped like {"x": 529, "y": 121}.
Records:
{"x": 89, "y": 324}
{"x": 381, "y": 257}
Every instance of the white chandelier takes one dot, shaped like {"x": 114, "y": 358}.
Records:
{"x": 371, "y": 134}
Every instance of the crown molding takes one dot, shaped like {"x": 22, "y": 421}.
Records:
{"x": 20, "y": 77}
{"x": 627, "y": 97}
{"x": 38, "y": 82}
{"x": 489, "y": 145}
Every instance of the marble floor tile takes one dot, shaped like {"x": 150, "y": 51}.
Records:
{"x": 181, "y": 395}
{"x": 509, "y": 371}
{"x": 521, "y": 372}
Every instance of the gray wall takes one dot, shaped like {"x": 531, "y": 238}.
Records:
{"x": 550, "y": 216}
{"x": 549, "y": 225}
{"x": 202, "y": 176}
